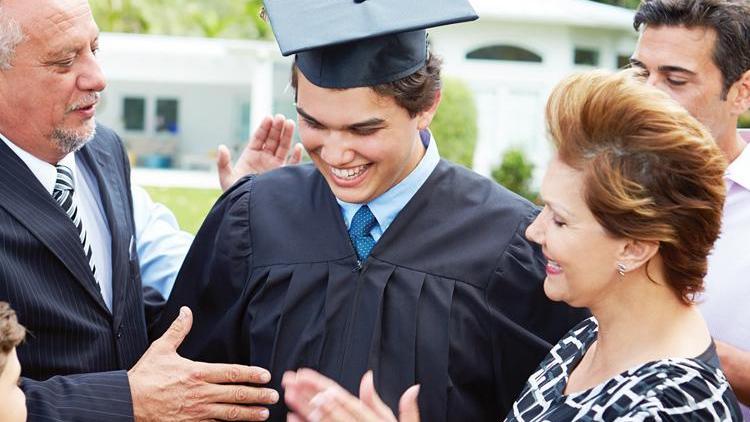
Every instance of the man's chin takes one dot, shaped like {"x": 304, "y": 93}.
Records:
{"x": 71, "y": 140}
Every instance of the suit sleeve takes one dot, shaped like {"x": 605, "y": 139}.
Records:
{"x": 525, "y": 323}
{"x": 92, "y": 397}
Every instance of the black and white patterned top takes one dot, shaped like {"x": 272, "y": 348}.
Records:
{"x": 663, "y": 390}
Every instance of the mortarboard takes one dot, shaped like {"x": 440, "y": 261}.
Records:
{"x": 355, "y": 43}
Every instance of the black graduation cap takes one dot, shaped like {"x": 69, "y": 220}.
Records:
{"x": 355, "y": 43}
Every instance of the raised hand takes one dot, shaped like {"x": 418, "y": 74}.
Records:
{"x": 313, "y": 397}
{"x": 168, "y": 387}
{"x": 267, "y": 150}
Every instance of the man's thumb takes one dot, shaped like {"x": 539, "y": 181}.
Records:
{"x": 179, "y": 329}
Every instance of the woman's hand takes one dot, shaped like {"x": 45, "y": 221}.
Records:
{"x": 314, "y": 398}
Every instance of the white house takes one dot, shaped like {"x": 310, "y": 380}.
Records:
{"x": 516, "y": 53}
{"x": 174, "y": 99}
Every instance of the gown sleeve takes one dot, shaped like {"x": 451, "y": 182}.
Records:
{"x": 525, "y": 323}
{"x": 213, "y": 277}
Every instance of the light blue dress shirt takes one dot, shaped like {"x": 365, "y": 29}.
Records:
{"x": 160, "y": 243}
{"x": 386, "y": 207}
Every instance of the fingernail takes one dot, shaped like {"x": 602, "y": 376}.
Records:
{"x": 182, "y": 312}
{"x": 274, "y": 396}
{"x": 264, "y": 414}
{"x": 265, "y": 377}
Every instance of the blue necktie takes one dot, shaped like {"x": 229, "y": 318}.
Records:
{"x": 359, "y": 232}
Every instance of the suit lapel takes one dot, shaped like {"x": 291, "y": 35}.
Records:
{"x": 110, "y": 184}
{"x": 25, "y": 198}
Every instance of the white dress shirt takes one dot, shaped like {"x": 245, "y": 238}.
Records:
{"x": 726, "y": 302}
{"x": 93, "y": 217}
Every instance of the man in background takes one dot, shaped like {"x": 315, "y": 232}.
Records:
{"x": 698, "y": 52}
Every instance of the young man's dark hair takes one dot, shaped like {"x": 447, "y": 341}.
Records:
{"x": 729, "y": 18}
{"x": 415, "y": 92}
{"x": 11, "y": 332}
{"x": 12, "y": 399}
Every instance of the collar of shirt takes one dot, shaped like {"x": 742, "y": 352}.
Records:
{"x": 45, "y": 172}
{"x": 386, "y": 207}
{"x": 739, "y": 170}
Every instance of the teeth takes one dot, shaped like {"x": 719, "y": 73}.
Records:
{"x": 554, "y": 264}
{"x": 349, "y": 173}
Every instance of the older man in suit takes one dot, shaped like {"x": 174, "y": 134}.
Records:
{"x": 68, "y": 261}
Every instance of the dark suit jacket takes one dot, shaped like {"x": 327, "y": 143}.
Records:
{"x": 77, "y": 351}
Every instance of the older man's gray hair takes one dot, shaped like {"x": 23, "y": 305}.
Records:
{"x": 10, "y": 36}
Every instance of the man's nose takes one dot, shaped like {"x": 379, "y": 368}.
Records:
{"x": 92, "y": 78}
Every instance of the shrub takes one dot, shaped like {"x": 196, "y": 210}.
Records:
{"x": 515, "y": 172}
{"x": 455, "y": 124}
{"x": 744, "y": 121}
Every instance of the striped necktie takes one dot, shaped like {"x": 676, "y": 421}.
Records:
{"x": 63, "y": 194}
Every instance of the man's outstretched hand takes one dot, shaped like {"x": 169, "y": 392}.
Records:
{"x": 268, "y": 149}
{"x": 168, "y": 387}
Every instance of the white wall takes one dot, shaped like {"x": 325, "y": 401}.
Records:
{"x": 208, "y": 115}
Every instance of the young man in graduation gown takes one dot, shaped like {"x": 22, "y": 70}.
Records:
{"x": 378, "y": 255}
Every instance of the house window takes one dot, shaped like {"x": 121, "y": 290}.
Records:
{"x": 504, "y": 53}
{"x": 586, "y": 57}
{"x": 167, "y": 115}
{"x": 134, "y": 113}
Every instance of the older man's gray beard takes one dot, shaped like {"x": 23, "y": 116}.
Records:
{"x": 72, "y": 140}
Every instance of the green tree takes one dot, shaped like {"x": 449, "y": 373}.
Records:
{"x": 122, "y": 15}
{"x": 206, "y": 18}
{"x": 744, "y": 120}
{"x": 455, "y": 124}
{"x": 515, "y": 172}
{"x": 631, "y": 4}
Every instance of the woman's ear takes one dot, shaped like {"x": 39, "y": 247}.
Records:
{"x": 636, "y": 254}
{"x": 424, "y": 118}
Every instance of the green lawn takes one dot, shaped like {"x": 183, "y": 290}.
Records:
{"x": 188, "y": 204}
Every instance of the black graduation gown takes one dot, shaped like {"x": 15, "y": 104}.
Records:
{"x": 450, "y": 298}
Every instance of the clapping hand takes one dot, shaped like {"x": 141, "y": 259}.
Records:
{"x": 314, "y": 398}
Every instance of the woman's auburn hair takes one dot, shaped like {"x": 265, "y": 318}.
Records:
{"x": 651, "y": 171}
